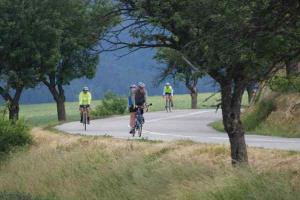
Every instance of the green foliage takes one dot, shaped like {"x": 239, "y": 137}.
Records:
{"x": 258, "y": 116}
{"x": 253, "y": 119}
{"x": 13, "y": 134}
{"x": 110, "y": 105}
{"x": 285, "y": 84}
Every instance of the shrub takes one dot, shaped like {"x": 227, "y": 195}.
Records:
{"x": 280, "y": 83}
{"x": 260, "y": 113}
{"x": 110, "y": 105}
{"x": 13, "y": 134}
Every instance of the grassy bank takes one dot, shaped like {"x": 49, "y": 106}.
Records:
{"x": 275, "y": 115}
{"x": 74, "y": 167}
{"x": 45, "y": 114}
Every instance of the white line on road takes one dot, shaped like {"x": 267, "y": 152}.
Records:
{"x": 177, "y": 116}
{"x": 216, "y": 138}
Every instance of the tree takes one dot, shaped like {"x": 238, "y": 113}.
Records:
{"x": 81, "y": 28}
{"x": 180, "y": 70}
{"x": 234, "y": 41}
{"x": 21, "y": 37}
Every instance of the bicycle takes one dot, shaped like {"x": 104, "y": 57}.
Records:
{"x": 168, "y": 103}
{"x": 85, "y": 116}
{"x": 140, "y": 120}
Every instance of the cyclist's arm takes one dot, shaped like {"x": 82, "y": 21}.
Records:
{"x": 80, "y": 99}
{"x": 146, "y": 97}
{"x": 164, "y": 91}
{"x": 132, "y": 96}
{"x": 89, "y": 99}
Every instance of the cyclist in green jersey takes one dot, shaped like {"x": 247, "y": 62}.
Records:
{"x": 85, "y": 99}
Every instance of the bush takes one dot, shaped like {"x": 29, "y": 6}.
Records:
{"x": 260, "y": 113}
{"x": 110, "y": 105}
{"x": 283, "y": 84}
{"x": 252, "y": 119}
{"x": 13, "y": 134}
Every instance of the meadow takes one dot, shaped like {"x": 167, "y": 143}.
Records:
{"x": 64, "y": 167}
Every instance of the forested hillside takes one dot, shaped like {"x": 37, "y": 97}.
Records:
{"x": 115, "y": 74}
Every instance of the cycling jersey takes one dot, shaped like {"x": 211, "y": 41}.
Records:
{"x": 85, "y": 98}
{"x": 140, "y": 98}
{"x": 168, "y": 90}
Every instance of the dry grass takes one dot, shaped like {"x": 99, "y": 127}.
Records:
{"x": 75, "y": 167}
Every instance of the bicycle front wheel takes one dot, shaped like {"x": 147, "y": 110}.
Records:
{"x": 84, "y": 120}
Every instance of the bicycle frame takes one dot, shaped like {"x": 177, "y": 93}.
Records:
{"x": 85, "y": 116}
{"x": 168, "y": 102}
{"x": 139, "y": 120}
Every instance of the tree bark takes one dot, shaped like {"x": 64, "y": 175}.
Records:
{"x": 13, "y": 102}
{"x": 194, "y": 98}
{"x": 292, "y": 69}
{"x": 232, "y": 92}
{"x": 191, "y": 84}
{"x": 250, "y": 92}
{"x": 61, "y": 110}
{"x": 58, "y": 94}
{"x": 14, "y": 109}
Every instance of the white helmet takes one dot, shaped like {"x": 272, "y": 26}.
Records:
{"x": 168, "y": 84}
{"x": 85, "y": 89}
{"x": 141, "y": 85}
{"x": 133, "y": 86}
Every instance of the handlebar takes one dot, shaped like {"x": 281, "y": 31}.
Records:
{"x": 145, "y": 106}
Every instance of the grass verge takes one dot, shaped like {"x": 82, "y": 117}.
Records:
{"x": 75, "y": 167}
{"x": 277, "y": 115}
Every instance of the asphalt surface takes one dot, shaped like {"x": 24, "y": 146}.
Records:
{"x": 178, "y": 125}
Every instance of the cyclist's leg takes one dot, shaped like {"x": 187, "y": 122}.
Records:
{"x": 81, "y": 114}
{"x": 171, "y": 100}
{"x": 132, "y": 120}
{"x": 166, "y": 98}
{"x": 88, "y": 114}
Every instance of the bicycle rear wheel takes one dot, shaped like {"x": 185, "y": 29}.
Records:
{"x": 84, "y": 120}
{"x": 167, "y": 104}
{"x": 140, "y": 130}
{"x": 170, "y": 106}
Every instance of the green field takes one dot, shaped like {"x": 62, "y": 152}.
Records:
{"x": 45, "y": 114}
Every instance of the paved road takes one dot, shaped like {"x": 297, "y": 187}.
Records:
{"x": 178, "y": 125}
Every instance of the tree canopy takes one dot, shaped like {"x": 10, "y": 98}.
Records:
{"x": 234, "y": 41}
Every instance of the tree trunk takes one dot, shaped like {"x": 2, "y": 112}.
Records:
{"x": 250, "y": 92}
{"x": 231, "y": 110}
{"x": 14, "y": 109}
{"x": 292, "y": 69}
{"x": 61, "y": 110}
{"x": 58, "y": 94}
{"x": 13, "y": 102}
{"x": 194, "y": 98}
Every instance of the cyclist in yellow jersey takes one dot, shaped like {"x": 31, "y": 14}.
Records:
{"x": 85, "y": 99}
{"x": 168, "y": 92}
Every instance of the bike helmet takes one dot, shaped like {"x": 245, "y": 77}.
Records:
{"x": 168, "y": 84}
{"x": 141, "y": 85}
{"x": 133, "y": 86}
{"x": 85, "y": 89}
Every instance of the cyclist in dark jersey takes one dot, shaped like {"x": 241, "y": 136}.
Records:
{"x": 140, "y": 99}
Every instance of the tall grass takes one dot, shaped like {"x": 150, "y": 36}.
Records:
{"x": 75, "y": 167}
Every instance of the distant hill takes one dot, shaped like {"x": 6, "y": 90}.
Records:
{"x": 116, "y": 74}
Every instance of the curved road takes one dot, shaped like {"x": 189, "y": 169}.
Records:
{"x": 178, "y": 125}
